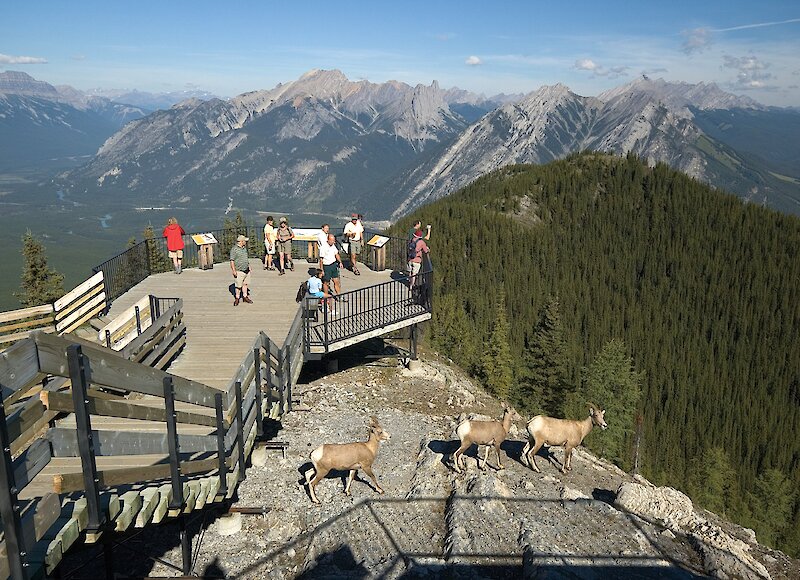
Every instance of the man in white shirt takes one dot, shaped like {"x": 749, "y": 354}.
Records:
{"x": 329, "y": 263}
{"x": 354, "y": 233}
{"x": 322, "y": 238}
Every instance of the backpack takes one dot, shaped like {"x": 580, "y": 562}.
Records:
{"x": 411, "y": 249}
{"x": 301, "y": 292}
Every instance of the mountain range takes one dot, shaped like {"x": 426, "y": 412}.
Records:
{"x": 326, "y": 143}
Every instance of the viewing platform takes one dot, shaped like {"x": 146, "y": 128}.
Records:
{"x": 218, "y": 333}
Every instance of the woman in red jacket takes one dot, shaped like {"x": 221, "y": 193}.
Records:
{"x": 174, "y": 234}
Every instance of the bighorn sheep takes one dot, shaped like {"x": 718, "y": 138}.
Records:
{"x": 484, "y": 433}
{"x": 543, "y": 430}
{"x": 347, "y": 457}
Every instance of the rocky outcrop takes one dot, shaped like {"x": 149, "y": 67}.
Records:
{"x": 723, "y": 555}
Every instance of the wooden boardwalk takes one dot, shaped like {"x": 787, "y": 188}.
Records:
{"x": 218, "y": 334}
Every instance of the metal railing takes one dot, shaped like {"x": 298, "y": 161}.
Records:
{"x": 126, "y": 269}
{"x": 355, "y": 313}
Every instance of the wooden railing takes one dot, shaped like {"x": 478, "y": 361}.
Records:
{"x": 66, "y": 314}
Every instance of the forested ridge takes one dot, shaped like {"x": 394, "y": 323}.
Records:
{"x": 598, "y": 276}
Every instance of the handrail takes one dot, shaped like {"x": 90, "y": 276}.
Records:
{"x": 358, "y": 312}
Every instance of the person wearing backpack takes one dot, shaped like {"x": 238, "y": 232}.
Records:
{"x": 416, "y": 248}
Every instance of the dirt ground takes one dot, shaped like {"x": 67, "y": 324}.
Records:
{"x": 431, "y": 521}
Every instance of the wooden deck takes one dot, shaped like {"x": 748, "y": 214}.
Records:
{"x": 218, "y": 334}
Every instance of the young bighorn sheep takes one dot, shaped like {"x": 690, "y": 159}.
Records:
{"x": 484, "y": 433}
{"x": 543, "y": 430}
{"x": 347, "y": 457}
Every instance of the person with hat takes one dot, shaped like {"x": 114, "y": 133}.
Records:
{"x": 284, "y": 237}
{"x": 416, "y": 248}
{"x": 354, "y": 234}
{"x": 240, "y": 267}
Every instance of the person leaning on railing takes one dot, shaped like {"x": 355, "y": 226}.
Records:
{"x": 240, "y": 267}
{"x": 174, "y": 234}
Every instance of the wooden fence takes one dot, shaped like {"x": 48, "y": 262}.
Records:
{"x": 66, "y": 314}
{"x": 44, "y": 377}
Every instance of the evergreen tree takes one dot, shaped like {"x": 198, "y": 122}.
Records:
{"x": 543, "y": 385}
{"x": 496, "y": 361}
{"x": 39, "y": 284}
{"x": 451, "y": 333}
{"x": 772, "y": 501}
{"x": 156, "y": 257}
{"x": 712, "y": 482}
{"x": 613, "y": 383}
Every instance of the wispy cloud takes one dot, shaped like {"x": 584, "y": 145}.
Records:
{"x": 752, "y": 71}
{"x": 10, "y": 59}
{"x": 757, "y": 25}
{"x": 444, "y": 36}
{"x": 473, "y": 61}
{"x": 696, "y": 40}
{"x": 587, "y": 64}
{"x": 699, "y": 39}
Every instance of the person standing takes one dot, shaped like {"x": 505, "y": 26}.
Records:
{"x": 418, "y": 226}
{"x": 284, "y": 237}
{"x": 354, "y": 233}
{"x": 322, "y": 238}
{"x": 269, "y": 243}
{"x": 240, "y": 267}
{"x": 174, "y": 234}
{"x": 417, "y": 247}
{"x": 329, "y": 263}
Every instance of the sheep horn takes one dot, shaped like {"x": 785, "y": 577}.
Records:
{"x": 592, "y": 406}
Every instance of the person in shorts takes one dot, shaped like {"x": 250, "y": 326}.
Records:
{"x": 354, "y": 234}
{"x": 415, "y": 262}
{"x": 329, "y": 263}
{"x": 174, "y": 234}
{"x": 316, "y": 287}
{"x": 240, "y": 267}
{"x": 284, "y": 236}
{"x": 269, "y": 243}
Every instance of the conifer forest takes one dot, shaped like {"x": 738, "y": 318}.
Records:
{"x": 674, "y": 306}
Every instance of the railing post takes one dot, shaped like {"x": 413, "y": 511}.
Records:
{"x": 240, "y": 430}
{"x": 9, "y": 507}
{"x": 288, "y": 380}
{"x": 80, "y": 401}
{"x": 221, "y": 467}
{"x": 138, "y": 321}
{"x": 281, "y": 383}
{"x": 153, "y": 301}
{"x": 108, "y": 338}
{"x": 176, "y": 503}
{"x": 259, "y": 416}
{"x": 269, "y": 376}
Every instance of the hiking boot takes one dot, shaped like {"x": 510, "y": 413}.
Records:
{"x": 247, "y": 299}
{"x": 236, "y": 302}
{"x": 282, "y": 273}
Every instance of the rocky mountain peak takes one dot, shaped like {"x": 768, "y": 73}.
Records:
{"x": 20, "y": 83}
{"x": 678, "y": 95}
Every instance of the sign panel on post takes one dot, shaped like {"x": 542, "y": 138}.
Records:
{"x": 205, "y": 250}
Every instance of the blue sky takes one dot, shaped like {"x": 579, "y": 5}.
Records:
{"x": 232, "y": 47}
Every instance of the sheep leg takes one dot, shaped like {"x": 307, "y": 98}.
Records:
{"x": 457, "y": 456}
{"x": 350, "y": 478}
{"x": 567, "y": 460}
{"x": 485, "y": 457}
{"x": 320, "y": 474}
{"x": 497, "y": 451}
{"x": 368, "y": 471}
{"x": 524, "y": 455}
{"x": 532, "y": 456}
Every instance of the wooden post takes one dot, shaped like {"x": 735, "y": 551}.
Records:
{"x": 240, "y": 430}
{"x": 281, "y": 382}
{"x": 259, "y": 417}
{"x": 288, "y": 379}
{"x": 9, "y": 507}
{"x": 221, "y": 467}
{"x": 80, "y": 401}
{"x": 176, "y": 503}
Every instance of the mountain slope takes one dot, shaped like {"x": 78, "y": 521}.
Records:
{"x": 652, "y": 119}
{"x": 318, "y": 142}
{"x": 41, "y": 125}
